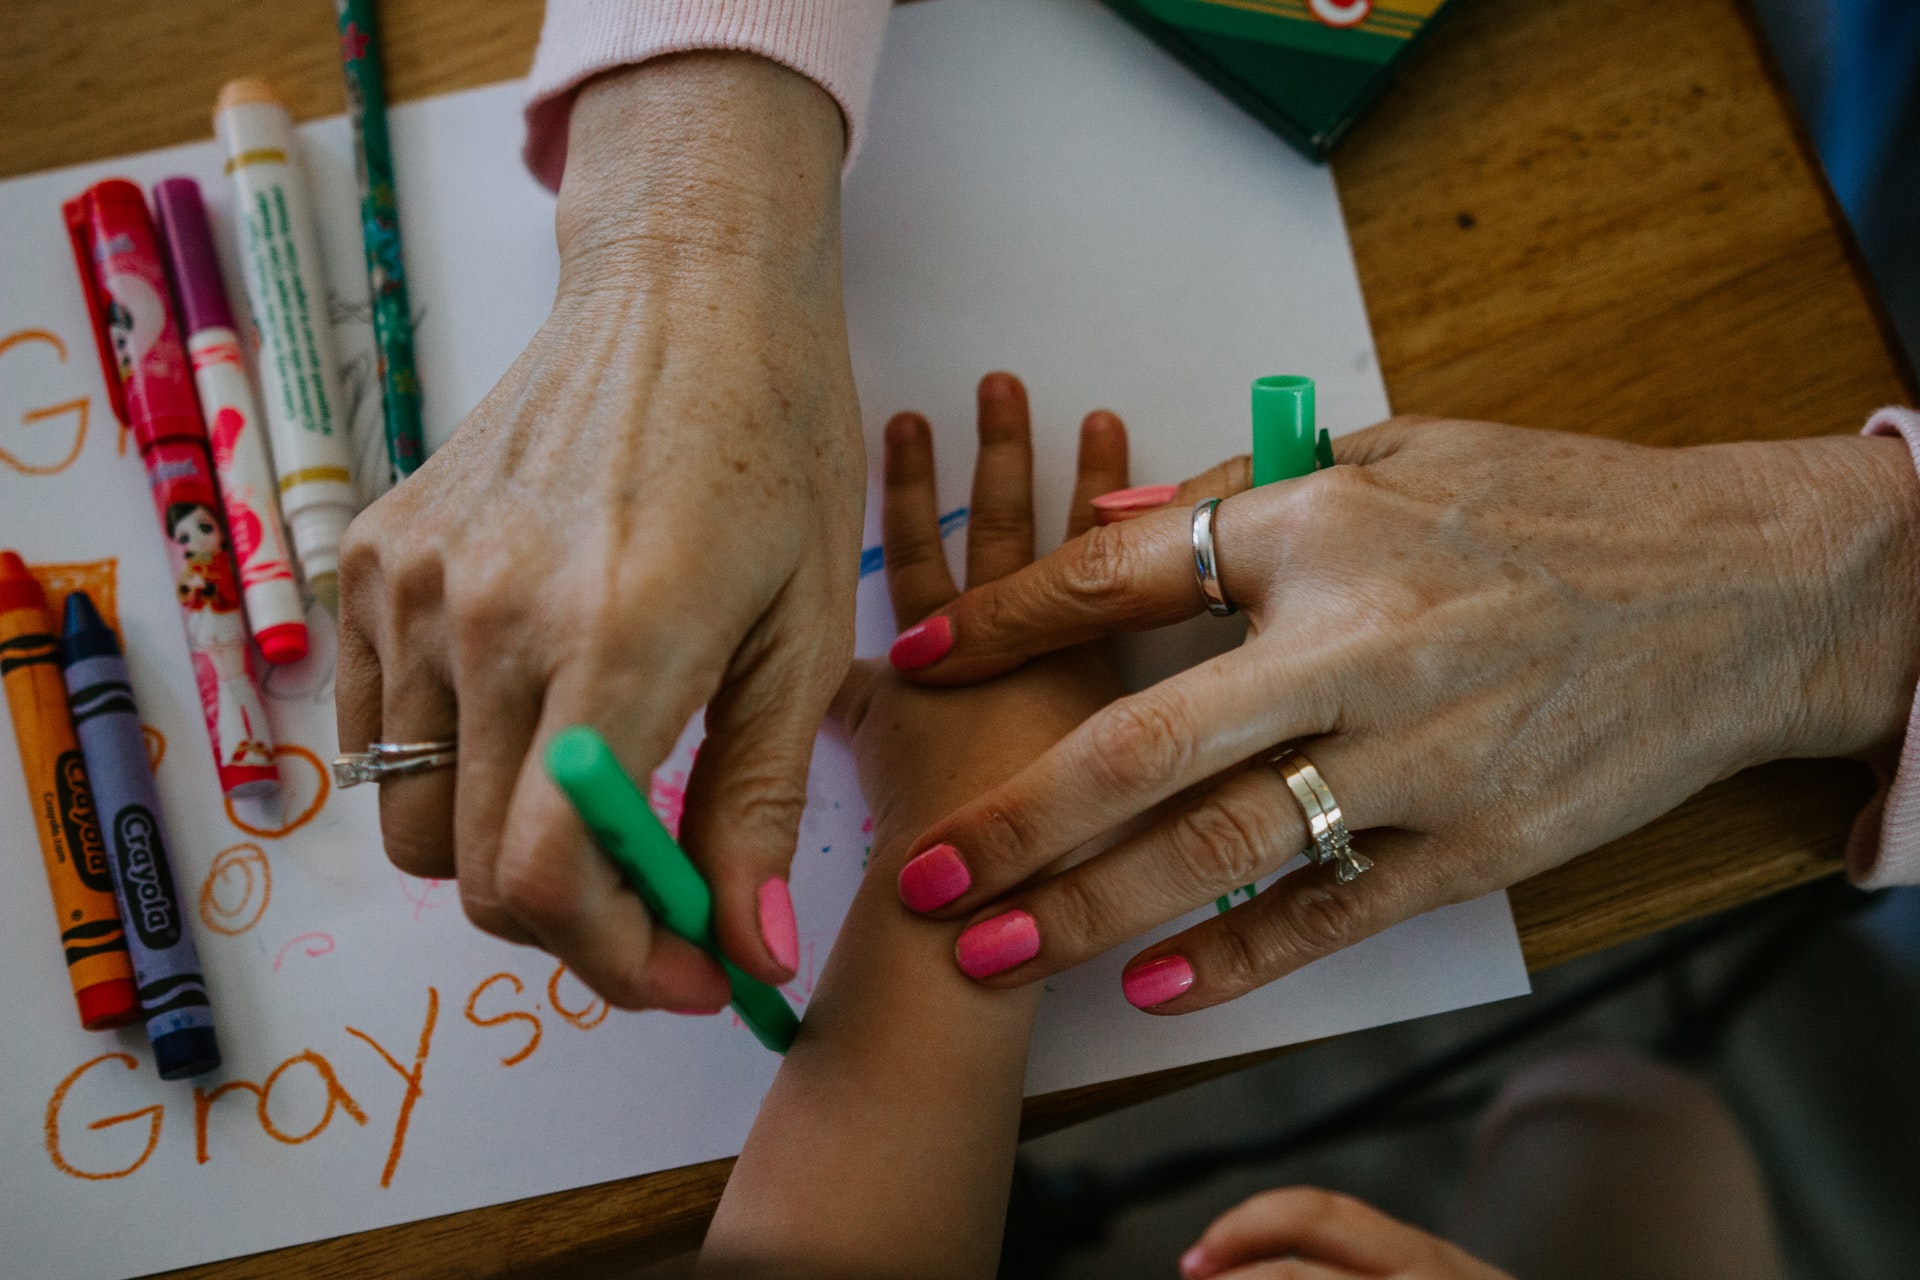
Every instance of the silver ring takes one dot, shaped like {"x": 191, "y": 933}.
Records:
{"x": 1331, "y": 840}
{"x": 1206, "y": 563}
{"x": 383, "y": 760}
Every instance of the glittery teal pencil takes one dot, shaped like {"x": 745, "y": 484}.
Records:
{"x": 380, "y": 229}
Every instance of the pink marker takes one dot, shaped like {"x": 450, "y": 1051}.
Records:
{"x": 145, "y": 366}
{"x": 234, "y": 426}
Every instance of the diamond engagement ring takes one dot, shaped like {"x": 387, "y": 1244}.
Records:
{"x": 1331, "y": 840}
{"x": 383, "y": 760}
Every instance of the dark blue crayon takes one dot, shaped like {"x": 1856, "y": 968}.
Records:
{"x": 165, "y": 967}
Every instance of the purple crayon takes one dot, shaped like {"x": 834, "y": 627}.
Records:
{"x": 166, "y": 969}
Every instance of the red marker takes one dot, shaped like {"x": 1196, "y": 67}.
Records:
{"x": 150, "y": 383}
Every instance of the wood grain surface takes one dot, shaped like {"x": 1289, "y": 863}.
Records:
{"x": 1593, "y": 215}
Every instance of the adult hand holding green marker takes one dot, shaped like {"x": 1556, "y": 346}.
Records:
{"x": 627, "y": 830}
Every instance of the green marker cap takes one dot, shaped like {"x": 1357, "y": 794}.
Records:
{"x": 1283, "y": 428}
{"x": 628, "y": 831}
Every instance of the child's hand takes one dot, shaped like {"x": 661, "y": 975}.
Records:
{"x": 924, "y": 750}
{"x": 1299, "y": 1233}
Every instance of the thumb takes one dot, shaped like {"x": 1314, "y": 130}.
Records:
{"x": 746, "y": 793}
{"x": 850, "y": 702}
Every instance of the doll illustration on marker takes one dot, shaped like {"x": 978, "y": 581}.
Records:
{"x": 210, "y": 594}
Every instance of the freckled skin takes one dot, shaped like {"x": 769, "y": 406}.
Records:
{"x": 658, "y": 507}
{"x": 1500, "y": 648}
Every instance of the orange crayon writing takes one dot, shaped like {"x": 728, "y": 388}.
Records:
{"x": 306, "y": 814}
{"x": 238, "y": 887}
{"x": 411, "y": 1077}
{"x": 337, "y": 1095}
{"x": 154, "y": 1114}
{"x": 500, "y": 1020}
{"x": 78, "y": 408}
{"x": 588, "y": 1016}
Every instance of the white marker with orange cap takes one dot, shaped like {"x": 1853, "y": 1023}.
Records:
{"x": 288, "y": 296}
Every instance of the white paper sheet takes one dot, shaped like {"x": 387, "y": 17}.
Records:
{"x": 1041, "y": 190}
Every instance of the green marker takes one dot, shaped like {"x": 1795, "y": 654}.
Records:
{"x": 582, "y": 765}
{"x": 1285, "y": 444}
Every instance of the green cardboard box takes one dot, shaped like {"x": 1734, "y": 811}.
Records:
{"x": 1306, "y": 69}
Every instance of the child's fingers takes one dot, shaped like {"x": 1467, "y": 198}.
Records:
{"x": 1102, "y": 467}
{"x": 1000, "y": 520}
{"x": 1222, "y": 481}
{"x": 917, "y": 575}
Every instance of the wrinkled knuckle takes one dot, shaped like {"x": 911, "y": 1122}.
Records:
{"x": 1076, "y": 921}
{"x": 769, "y": 804}
{"x": 999, "y": 839}
{"x": 1140, "y": 742}
{"x": 1098, "y": 566}
{"x": 1323, "y": 921}
{"x": 1239, "y": 963}
{"x": 1227, "y": 841}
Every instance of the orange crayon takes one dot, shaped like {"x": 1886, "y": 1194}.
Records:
{"x": 56, "y": 777}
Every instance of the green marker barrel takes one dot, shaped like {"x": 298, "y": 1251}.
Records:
{"x": 583, "y": 766}
{"x": 1284, "y": 441}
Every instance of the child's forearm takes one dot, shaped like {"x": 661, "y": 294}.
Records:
{"x": 886, "y": 1145}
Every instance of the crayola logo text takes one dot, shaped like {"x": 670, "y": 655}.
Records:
{"x": 81, "y": 824}
{"x": 144, "y": 878}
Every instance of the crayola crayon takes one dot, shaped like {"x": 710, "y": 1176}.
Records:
{"x": 172, "y": 992}
{"x": 62, "y": 801}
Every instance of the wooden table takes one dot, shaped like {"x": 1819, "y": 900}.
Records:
{"x": 1594, "y": 215}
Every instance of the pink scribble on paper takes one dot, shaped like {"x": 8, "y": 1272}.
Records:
{"x": 315, "y": 944}
{"x": 668, "y": 796}
{"x": 425, "y": 894}
{"x": 866, "y": 828}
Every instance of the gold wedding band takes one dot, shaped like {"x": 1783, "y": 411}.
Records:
{"x": 1331, "y": 840}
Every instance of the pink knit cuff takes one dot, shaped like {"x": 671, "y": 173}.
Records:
{"x": 835, "y": 43}
{"x": 1885, "y": 846}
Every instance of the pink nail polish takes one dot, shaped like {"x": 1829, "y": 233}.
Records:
{"x": 1156, "y": 981}
{"x": 778, "y": 929}
{"x": 1193, "y": 1262}
{"x": 1146, "y": 497}
{"x": 923, "y": 644}
{"x": 998, "y": 943}
{"x": 694, "y": 1013}
{"x": 934, "y": 879}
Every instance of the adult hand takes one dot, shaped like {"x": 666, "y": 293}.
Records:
{"x": 1299, "y": 1233}
{"x": 658, "y": 507}
{"x": 1500, "y": 648}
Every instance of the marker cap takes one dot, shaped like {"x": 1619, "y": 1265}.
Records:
{"x": 106, "y": 1005}
{"x": 283, "y": 642}
{"x": 189, "y": 245}
{"x": 317, "y": 531}
{"x": 190, "y": 1051}
{"x": 1283, "y": 428}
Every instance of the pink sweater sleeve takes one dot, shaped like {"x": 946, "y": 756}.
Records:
{"x": 835, "y": 43}
{"x": 1885, "y": 848}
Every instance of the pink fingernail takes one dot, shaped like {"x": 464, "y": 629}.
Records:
{"x": 1111, "y": 508}
{"x": 694, "y": 1013}
{"x": 1193, "y": 1261}
{"x": 997, "y": 944}
{"x": 778, "y": 929}
{"x": 1156, "y": 981}
{"x": 923, "y": 644}
{"x": 934, "y": 879}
